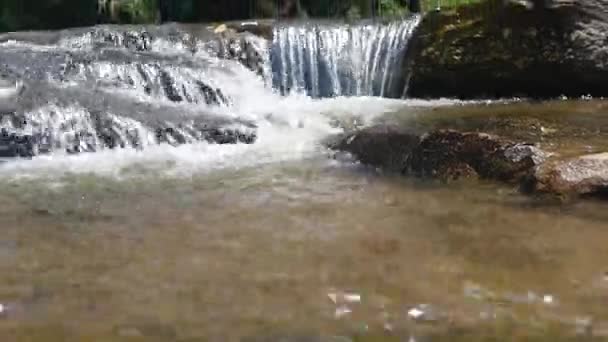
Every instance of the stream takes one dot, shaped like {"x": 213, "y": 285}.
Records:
{"x": 177, "y": 194}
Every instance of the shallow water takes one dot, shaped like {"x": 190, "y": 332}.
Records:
{"x": 170, "y": 244}
{"x": 205, "y": 242}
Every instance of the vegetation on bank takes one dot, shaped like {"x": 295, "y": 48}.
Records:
{"x": 53, "y": 14}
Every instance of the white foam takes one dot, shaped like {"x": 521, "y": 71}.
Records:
{"x": 289, "y": 127}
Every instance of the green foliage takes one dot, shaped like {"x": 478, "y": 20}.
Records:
{"x": 391, "y": 8}
{"x": 46, "y": 14}
{"x": 431, "y": 5}
{"x": 138, "y": 11}
{"x": 54, "y": 14}
{"x": 354, "y": 13}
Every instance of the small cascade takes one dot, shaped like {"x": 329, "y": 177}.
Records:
{"x": 110, "y": 87}
{"x": 328, "y": 60}
{"x": 100, "y": 88}
{"x": 249, "y": 50}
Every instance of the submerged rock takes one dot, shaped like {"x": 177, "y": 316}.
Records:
{"x": 584, "y": 175}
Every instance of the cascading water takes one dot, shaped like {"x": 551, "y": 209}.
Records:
{"x": 327, "y": 60}
{"x": 106, "y": 87}
{"x": 111, "y": 87}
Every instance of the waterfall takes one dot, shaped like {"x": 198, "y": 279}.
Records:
{"x": 328, "y": 60}
{"x": 110, "y": 87}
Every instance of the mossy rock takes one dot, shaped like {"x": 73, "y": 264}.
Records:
{"x": 493, "y": 50}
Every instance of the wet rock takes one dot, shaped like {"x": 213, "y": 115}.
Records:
{"x": 521, "y": 298}
{"x": 344, "y": 297}
{"x": 585, "y": 175}
{"x": 342, "y": 311}
{"x": 148, "y": 330}
{"x": 263, "y": 29}
{"x": 129, "y": 332}
{"x": 584, "y": 326}
{"x": 452, "y": 155}
{"x": 388, "y": 147}
{"x": 500, "y": 48}
{"x": 477, "y": 292}
{"x": 242, "y": 48}
{"x": 139, "y": 41}
{"x": 16, "y": 144}
{"x": 425, "y": 313}
{"x": 442, "y": 154}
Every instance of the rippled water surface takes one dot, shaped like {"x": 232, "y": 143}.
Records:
{"x": 144, "y": 240}
{"x": 253, "y": 252}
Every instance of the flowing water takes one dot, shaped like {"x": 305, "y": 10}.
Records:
{"x": 324, "y": 60}
{"x": 134, "y": 224}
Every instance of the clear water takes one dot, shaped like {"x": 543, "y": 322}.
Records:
{"x": 203, "y": 242}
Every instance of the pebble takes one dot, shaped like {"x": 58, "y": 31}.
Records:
{"x": 342, "y": 311}
{"x": 423, "y": 312}
{"x": 415, "y": 313}
{"x": 129, "y": 332}
{"x": 339, "y": 297}
{"x": 390, "y": 201}
{"x": 475, "y": 291}
{"x": 584, "y": 326}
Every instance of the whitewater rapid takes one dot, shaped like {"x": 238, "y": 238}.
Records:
{"x": 132, "y": 84}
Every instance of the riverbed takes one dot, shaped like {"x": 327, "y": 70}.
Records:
{"x": 167, "y": 244}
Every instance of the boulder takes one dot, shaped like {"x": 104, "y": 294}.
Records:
{"x": 443, "y": 154}
{"x": 579, "y": 176}
{"x": 450, "y": 155}
{"x": 498, "y": 48}
{"x": 388, "y": 147}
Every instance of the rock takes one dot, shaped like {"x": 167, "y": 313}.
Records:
{"x": 425, "y": 313}
{"x": 343, "y": 297}
{"x": 220, "y": 29}
{"x": 583, "y": 326}
{"x": 584, "y": 175}
{"x": 497, "y": 48}
{"x": 264, "y": 29}
{"x": 442, "y": 154}
{"x": 13, "y": 144}
{"x": 243, "y": 47}
{"x": 448, "y": 155}
{"x": 129, "y": 332}
{"x": 388, "y": 147}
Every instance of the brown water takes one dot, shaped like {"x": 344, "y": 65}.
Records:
{"x": 252, "y": 254}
